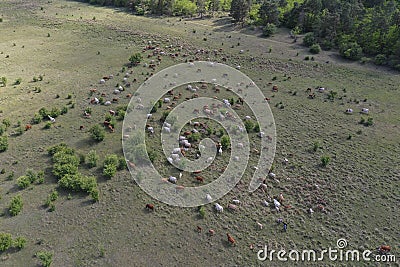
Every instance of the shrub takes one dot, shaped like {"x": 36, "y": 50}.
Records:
{"x": 37, "y": 118}
{"x": 18, "y": 81}
{"x": 256, "y": 127}
{"x": 3, "y": 143}
{"x": 5, "y": 241}
{"x": 16, "y": 205}
{"x": 3, "y": 81}
{"x": 2, "y": 129}
{"x": 110, "y": 166}
{"x": 315, "y": 49}
{"x": 350, "y": 50}
{"x": 47, "y": 125}
{"x": 92, "y": 158}
{"x": 64, "y": 110}
{"x": 19, "y": 242}
{"x": 94, "y": 194}
{"x": 316, "y": 146}
{"x": 309, "y": 39}
{"x": 122, "y": 164}
{"x": 135, "y": 59}
{"x": 120, "y": 115}
{"x": 31, "y": 175}
{"x": 97, "y": 133}
{"x": 45, "y": 257}
{"x": 7, "y": 123}
{"x": 55, "y": 112}
{"x": 23, "y": 182}
{"x": 202, "y": 212}
{"x": 43, "y": 112}
{"x": 369, "y": 122}
{"x": 249, "y": 124}
{"x": 380, "y": 59}
{"x": 225, "y": 142}
{"x": 269, "y": 29}
{"x": 325, "y": 160}
{"x": 60, "y": 170}
{"x": 195, "y": 137}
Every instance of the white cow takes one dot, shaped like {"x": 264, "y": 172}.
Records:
{"x": 172, "y": 179}
{"x": 365, "y": 110}
{"x": 218, "y": 207}
{"x": 51, "y": 119}
{"x": 208, "y": 197}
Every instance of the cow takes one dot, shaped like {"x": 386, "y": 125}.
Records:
{"x": 150, "y": 207}
{"x": 28, "y": 127}
{"x": 231, "y": 240}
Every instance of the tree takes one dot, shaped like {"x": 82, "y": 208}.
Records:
{"x": 309, "y": 39}
{"x": 315, "y": 49}
{"x": 269, "y": 12}
{"x": 239, "y": 10}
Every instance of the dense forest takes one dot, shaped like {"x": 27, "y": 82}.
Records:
{"x": 366, "y": 30}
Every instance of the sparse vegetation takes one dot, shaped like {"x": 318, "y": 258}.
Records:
{"x": 98, "y": 134}
{"x": 45, "y": 257}
{"x": 16, "y": 205}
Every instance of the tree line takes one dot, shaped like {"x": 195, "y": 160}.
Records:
{"x": 366, "y": 30}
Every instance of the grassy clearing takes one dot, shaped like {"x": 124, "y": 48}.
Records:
{"x": 359, "y": 186}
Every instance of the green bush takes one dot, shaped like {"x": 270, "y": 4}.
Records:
{"x": 350, "y": 50}
{"x": 7, "y": 123}
{"x": 309, "y": 39}
{"x": 18, "y": 81}
{"x": 94, "y": 194}
{"x": 55, "y": 112}
{"x": 37, "y": 118}
{"x": 325, "y": 160}
{"x": 45, "y": 257}
{"x": 47, "y": 125}
{"x": 109, "y": 170}
{"x": 269, "y": 29}
{"x": 19, "y": 242}
{"x": 97, "y": 133}
{"x": 23, "y": 182}
{"x": 135, "y": 59}
{"x": 194, "y": 137}
{"x": 92, "y": 158}
{"x": 111, "y": 164}
{"x": 43, "y": 112}
{"x": 316, "y": 146}
{"x": 225, "y": 142}
{"x": 2, "y": 129}
{"x": 3, "y": 143}
{"x": 60, "y": 170}
{"x": 5, "y": 241}
{"x": 202, "y": 212}
{"x": 16, "y": 205}
{"x": 122, "y": 164}
{"x": 249, "y": 124}
{"x": 315, "y": 49}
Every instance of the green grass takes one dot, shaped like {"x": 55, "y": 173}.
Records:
{"x": 358, "y": 186}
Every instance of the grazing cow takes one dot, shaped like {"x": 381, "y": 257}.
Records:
{"x": 199, "y": 179}
{"x": 150, "y": 207}
{"x": 311, "y": 211}
{"x": 93, "y": 90}
{"x": 116, "y": 91}
{"x": 236, "y": 201}
{"x": 172, "y": 179}
{"x": 115, "y": 100}
{"x": 28, "y": 127}
{"x": 102, "y": 81}
{"x": 364, "y": 110}
{"x": 231, "y": 239}
{"x": 107, "y": 103}
{"x": 349, "y": 111}
{"x": 112, "y": 112}
{"x": 128, "y": 95}
{"x": 311, "y": 96}
{"x": 218, "y": 207}
{"x": 167, "y": 100}
{"x": 111, "y": 128}
{"x": 211, "y": 232}
{"x": 275, "y": 88}
{"x": 260, "y": 225}
{"x": 232, "y": 207}
{"x": 199, "y": 229}
{"x": 208, "y": 197}
{"x": 271, "y": 175}
{"x": 220, "y": 151}
{"x": 81, "y": 127}
{"x": 384, "y": 249}
{"x": 281, "y": 198}
{"x": 95, "y": 101}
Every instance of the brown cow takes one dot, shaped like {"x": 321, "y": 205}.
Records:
{"x": 28, "y": 127}
{"x": 231, "y": 239}
{"x": 199, "y": 179}
{"x": 150, "y": 207}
